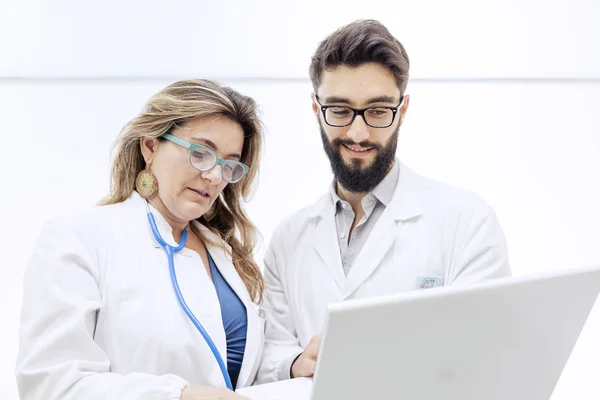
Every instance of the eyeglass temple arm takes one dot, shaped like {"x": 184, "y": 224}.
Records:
{"x": 175, "y": 139}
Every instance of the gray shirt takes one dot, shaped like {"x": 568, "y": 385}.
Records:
{"x": 373, "y": 205}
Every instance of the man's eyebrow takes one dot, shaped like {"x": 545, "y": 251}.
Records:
{"x": 337, "y": 99}
{"x": 214, "y": 147}
{"x": 373, "y": 100}
{"x": 382, "y": 99}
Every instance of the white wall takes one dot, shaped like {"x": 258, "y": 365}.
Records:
{"x": 504, "y": 101}
{"x": 262, "y": 38}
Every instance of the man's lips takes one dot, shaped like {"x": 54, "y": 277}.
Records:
{"x": 357, "y": 148}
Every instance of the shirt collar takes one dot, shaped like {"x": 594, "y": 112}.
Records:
{"x": 386, "y": 188}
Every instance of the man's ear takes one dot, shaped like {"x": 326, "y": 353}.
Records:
{"x": 404, "y": 108}
{"x": 315, "y": 106}
{"x": 148, "y": 146}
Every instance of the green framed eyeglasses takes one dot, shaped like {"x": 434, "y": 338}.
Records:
{"x": 204, "y": 159}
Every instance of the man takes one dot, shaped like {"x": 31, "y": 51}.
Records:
{"x": 381, "y": 228}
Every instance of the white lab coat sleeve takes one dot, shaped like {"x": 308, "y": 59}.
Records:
{"x": 58, "y": 358}
{"x": 480, "y": 251}
{"x": 281, "y": 340}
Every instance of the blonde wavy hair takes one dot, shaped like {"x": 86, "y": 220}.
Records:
{"x": 173, "y": 106}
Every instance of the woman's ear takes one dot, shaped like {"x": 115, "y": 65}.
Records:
{"x": 148, "y": 146}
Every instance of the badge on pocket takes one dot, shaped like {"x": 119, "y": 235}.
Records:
{"x": 428, "y": 282}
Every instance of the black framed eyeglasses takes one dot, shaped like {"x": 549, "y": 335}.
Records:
{"x": 375, "y": 117}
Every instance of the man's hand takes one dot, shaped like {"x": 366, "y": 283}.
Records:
{"x": 304, "y": 365}
{"x": 209, "y": 393}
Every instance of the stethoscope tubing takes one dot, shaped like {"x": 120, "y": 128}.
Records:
{"x": 171, "y": 250}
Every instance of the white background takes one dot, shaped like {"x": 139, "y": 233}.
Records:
{"x": 505, "y": 100}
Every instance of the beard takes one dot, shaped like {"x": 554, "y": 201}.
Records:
{"x": 358, "y": 178}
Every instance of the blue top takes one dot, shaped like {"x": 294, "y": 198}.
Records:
{"x": 235, "y": 322}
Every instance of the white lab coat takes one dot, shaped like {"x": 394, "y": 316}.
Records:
{"x": 429, "y": 234}
{"x": 100, "y": 318}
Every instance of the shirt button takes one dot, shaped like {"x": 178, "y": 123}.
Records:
{"x": 343, "y": 235}
{"x": 344, "y": 206}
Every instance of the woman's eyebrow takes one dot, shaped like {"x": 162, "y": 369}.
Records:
{"x": 214, "y": 147}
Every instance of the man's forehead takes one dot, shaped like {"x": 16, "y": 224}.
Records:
{"x": 358, "y": 86}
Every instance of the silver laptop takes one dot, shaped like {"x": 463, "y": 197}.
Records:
{"x": 509, "y": 338}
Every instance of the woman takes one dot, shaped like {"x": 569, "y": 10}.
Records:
{"x": 108, "y": 313}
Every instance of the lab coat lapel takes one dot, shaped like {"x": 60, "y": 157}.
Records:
{"x": 223, "y": 262}
{"x": 404, "y": 205}
{"x": 377, "y": 245}
{"x": 138, "y": 208}
{"x": 254, "y": 332}
{"x": 325, "y": 238}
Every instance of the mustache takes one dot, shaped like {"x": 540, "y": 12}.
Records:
{"x": 348, "y": 142}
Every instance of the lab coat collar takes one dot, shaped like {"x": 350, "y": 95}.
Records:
{"x": 165, "y": 230}
{"x": 217, "y": 248}
{"x": 405, "y": 203}
{"x": 137, "y": 205}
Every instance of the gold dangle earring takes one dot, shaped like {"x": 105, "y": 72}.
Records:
{"x": 146, "y": 184}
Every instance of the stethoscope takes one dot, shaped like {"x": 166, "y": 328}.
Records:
{"x": 171, "y": 250}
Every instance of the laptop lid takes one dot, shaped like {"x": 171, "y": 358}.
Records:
{"x": 508, "y": 338}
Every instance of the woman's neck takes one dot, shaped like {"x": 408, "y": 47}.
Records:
{"x": 177, "y": 225}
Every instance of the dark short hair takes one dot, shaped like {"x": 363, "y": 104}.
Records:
{"x": 358, "y": 43}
